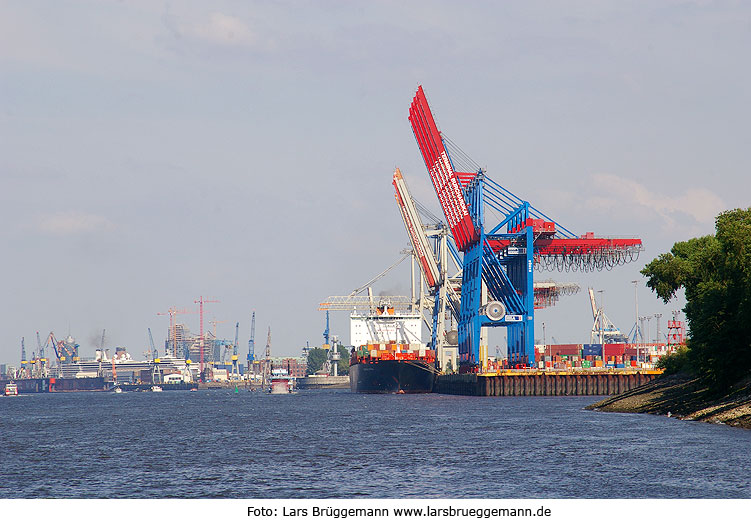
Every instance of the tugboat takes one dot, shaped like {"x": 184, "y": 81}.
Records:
{"x": 11, "y": 389}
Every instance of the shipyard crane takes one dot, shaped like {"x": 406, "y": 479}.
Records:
{"x": 235, "y": 369}
{"x": 326, "y": 332}
{"x": 502, "y": 255}
{"x": 266, "y": 374}
{"x": 24, "y": 362}
{"x": 42, "y": 367}
{"x": 603, "y": 329}
{"x": 152, "y": 350}
{"x": 252, "y": 343}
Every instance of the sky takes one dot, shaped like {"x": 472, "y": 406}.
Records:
{"x": 155, "y": 152}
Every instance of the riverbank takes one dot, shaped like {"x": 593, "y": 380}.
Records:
{"x": 683, "y": 397}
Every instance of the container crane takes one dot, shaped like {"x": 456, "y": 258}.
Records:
{"x": 502, "y": 256}
{"x": 446, "y": 292}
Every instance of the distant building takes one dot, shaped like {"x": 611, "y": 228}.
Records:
{"x": 297, "y": 367}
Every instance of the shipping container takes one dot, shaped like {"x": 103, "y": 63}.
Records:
{"x": 614, "y": 349}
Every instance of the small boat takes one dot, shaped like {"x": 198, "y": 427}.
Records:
{"x": 118, "y": 389}
{"x": 156, "y": 389}
{"x": 281, "y": 382}
{"x": 11, "y": 389}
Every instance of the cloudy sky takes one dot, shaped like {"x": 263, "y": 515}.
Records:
{"x": 153, "y": 152}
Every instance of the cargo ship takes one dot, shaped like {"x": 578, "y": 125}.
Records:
{"x": 392, "y": 368}
{"x": 389, "y": 356}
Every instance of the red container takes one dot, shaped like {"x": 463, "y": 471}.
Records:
{"x": 614, "y": 349}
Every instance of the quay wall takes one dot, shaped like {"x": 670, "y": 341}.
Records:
{"x": 540, "y": 383}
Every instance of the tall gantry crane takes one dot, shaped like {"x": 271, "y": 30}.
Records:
{"x": 501, "y": 255}
{"x": 433, "y": 258}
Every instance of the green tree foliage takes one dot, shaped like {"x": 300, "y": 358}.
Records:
{"x": 317, "y": 357}
{"x": 676, "y": 362}
{"x": 343, "y": 361}
{"x": 715, "y": 273}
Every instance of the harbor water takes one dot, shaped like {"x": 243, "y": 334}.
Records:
{"x": 337, "y": 444}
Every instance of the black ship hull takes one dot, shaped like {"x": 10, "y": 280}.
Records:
{"x": 392, "y": 376}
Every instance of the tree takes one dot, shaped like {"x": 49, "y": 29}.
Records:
{"x": 316, "y": 359}
{"x": 318, "y": 356}
{"x": 715, "y": 272}
{"x": 343, "y": 361}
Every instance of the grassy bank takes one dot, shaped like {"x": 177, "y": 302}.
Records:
{"x": 684, "y": 397}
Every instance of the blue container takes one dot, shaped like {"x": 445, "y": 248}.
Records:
{"x": 620, "y": 366}
{"x": 592, "y": 349}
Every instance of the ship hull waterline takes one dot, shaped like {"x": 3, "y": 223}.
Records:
{"x": 392, "y": 376}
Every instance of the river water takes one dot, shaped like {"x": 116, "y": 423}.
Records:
{"x": 334, "y": 444}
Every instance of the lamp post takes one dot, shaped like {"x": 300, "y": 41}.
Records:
{"x": 636, "y": 323}
{"x": 544, "y": 345}
{"x": 600, "y": 313}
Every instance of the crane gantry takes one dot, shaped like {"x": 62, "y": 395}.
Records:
{"x": 501, "y": 256}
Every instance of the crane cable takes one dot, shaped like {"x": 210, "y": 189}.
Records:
{"x": 379, "y": 276}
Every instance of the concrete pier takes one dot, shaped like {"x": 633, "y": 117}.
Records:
{"x": 543, "y": 383}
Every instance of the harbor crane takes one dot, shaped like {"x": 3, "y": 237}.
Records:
{"x": 152, "y": 350}
{"x": 603, "y": 329}
{"x": 266, "y": 374}
{"x": 235, "y": 369}
{"x": 326, "y": 332}
{"x": 252, "y": 343}
{"x": 24, "y": 362}
{"x": 433, "y": 261}
{"x": 501, "y": 256}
